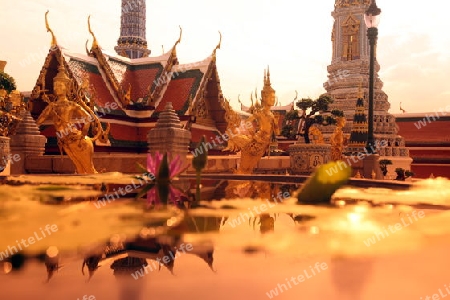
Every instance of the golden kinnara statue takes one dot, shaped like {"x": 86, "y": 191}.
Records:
{"x": 253, "y": 141}
{"x": 337, "y": 139}
{"x": 72, "y": 120}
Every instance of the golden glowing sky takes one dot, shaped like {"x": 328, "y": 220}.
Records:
{"x": 292, "y": 37}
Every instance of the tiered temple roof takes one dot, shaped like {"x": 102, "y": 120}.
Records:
{"x": 129, "y": 93}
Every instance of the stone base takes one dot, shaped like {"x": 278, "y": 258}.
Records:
{"x": 5, "y": 156}
{"x": 397, "y": 162}
{"x": 371, "y": 167}
{"x": 273, "y": 165}
{"x": 125, "y": 163}
{"x": 305, "y": 158}
{"x": 217, "y": 164}
{"x": 6, "y": 170}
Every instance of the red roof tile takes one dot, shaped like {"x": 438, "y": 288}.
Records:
{"x": 100, "y": 90}
{"x": 177, "y": 92}
{"x": 140, "y": 81}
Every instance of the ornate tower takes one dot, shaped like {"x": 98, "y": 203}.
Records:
{"x": 358, "y": 135}
{"x": 132, "y": 42}
{"x": 349, "y": 69}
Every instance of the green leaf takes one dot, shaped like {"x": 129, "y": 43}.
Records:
{"x": 199, "y": 161}
{"x": 144, "y": 190}
{"x": 7, "y": 82}
{"x": 141, "y": 168}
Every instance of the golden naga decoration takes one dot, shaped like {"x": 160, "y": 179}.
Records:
{"x": 337, "y": 139}
{"x": 316, "y": 135}
{"x": 218, "y": 45}
{"x": 72, "y": 119}
{"x": 54, "y": 42}
{"x": 254, "y": 139}
{"x": 124, "y": 96}
{"x": 94, "y": 42}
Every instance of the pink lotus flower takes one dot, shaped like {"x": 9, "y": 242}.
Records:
{"x": 162, "y": 172}
{"x": 175, "y": 165}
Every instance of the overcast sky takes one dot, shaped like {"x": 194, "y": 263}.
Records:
{"x": 292, "y": 37}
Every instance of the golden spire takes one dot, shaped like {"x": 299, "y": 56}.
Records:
{"x": 218, "y": 45}
{"x": 267, "y": 79}
{"x": 54, "y": 43}
{"x": 94, "y": 42}
{"x": 360, "y": 93}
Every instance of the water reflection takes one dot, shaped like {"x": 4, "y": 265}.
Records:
{"x": 92, "y": 264}
{"x": 129, "y": 287}
{"x": 350, "y": 276}
{"x": 51, "y": 261}
{"x": 152, "y": 255}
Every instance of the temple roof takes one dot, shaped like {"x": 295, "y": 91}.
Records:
{"x": 149, "y": 82}
{"x": 129, "y": 93}
{"x": 348, "y": 3}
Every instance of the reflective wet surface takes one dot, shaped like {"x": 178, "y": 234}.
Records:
{"x": 245, "y": 239}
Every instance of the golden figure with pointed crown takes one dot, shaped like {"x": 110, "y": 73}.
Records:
{"x": 67, "y": 117}
{"x": 261, "y": 125}
{"x": 337, "y": 139}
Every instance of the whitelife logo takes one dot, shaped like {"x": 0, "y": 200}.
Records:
{"x": 437, "y": 296}
{"x": 394, "y": 228}
{"x": 166, "y": 259}
{"x": 49, "y": 229}
{"x": 297, "y": 280}
{"x": 262, "y": 208}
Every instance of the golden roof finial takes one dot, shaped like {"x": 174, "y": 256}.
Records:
{"x": 403, "y": 111}
{"x": 296, "y": 95}
{"x": 360, "y": 93}
{"x": 86, "y": 47}
{"x": 94, "y": 42}
{"x": 54, "y": 43}
{"x": 218, "y": 45}
{"x": 174, "y": 48}
{"x": 179, "y": 38}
